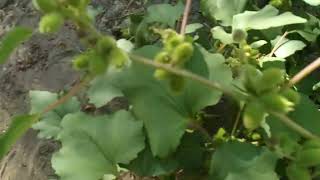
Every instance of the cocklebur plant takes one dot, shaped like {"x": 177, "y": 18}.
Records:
{"x": 168, "y": 83}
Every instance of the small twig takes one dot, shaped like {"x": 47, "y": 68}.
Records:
{"x": 237, "y": 121}
{"x": 221, "y": 48}
{"x": 185, "y": 17}
{"x": 73, "y": 91}
{"x": 294, "y": 126}
{"x": 304, "y": 72}
{"x": 278, "y": 44}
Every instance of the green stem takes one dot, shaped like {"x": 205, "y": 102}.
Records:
{"x": 183, "y": 73}
{"x": 73, "y": 91}
{"x": 214, "y": 85}
{"x": 294, "y": 126}
{"x": 237, "y": 121}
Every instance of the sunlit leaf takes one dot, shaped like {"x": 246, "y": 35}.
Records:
{"x": 93, "y": 145}
{"x": 223, "y": 10}
{"x": 266, "y": 18}
{"x": 11, "y": 40}
{"x": 19, "y": 125}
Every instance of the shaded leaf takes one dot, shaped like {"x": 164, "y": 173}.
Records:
{"x": 164, "y": 13}
{"x": 148, "y": 165}
{"x": 242, "y": 161}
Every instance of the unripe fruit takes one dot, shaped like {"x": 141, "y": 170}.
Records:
{"x": 295, "y": 172}
{"x": 253, "y": 115}
{"x": 252, "y": 78}
{"x": 276, "y": 102}
{"x": 239, "y": 35}
{"x": 276, "y": 3}
{"x": 97, "y": 65}
{"x": 182, "y": 53}
{"x": 45, "y": 6}
{"x": 105, "y": 45}
{"x": 163, "y": 57}
{"x": 308, "y": 158}
{"x": 291, "y": 95}
{"x": 270, "y": 79}
{"x": 51, "y": 23}
{"x": 173, "y": 42}
{"x": 161, "y": 74}
{"x": 81, "y": 61}
{"x": 247, "y": 48}
{"x": 255, "y": 136}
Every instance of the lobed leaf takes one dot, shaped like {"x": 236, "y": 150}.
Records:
{"x": 49, "y": 124}
{"x": 264, "y": 19}
{"x": 93, "y": 145}
{"x": 166, "y": 114}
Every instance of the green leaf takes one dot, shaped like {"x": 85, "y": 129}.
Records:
{"x": 191, "y": 28}
{"x": 49, "y": 124}
{"x": 305, "y": 114}
{"x": 165, "y": 114}
{"x": 11, "y": 40}
{"x": 264, "y": 19}
{"x": 296, "y": 172}
{"x": 93, "y": 145}
{"x": 289, "y": 48}
{"x": 222, "y": 10}
{"x": 310, "y": 30}
{"x": 97, "y": 94}
{"x": 148, "y": 165}
{"x": 219, "y": 33}
{"x": 190, "y": 157}
{"x": 243, "y": 161}
{"x": 313, "y": 2}
{"x": 39, "y": 100}
{"x": 19, "y": 125}
{"x": 191, "y": 153}
{"x": 164, "y": 13}
{"x": 258, "y": 44}
{"x": 125, "y": 45}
